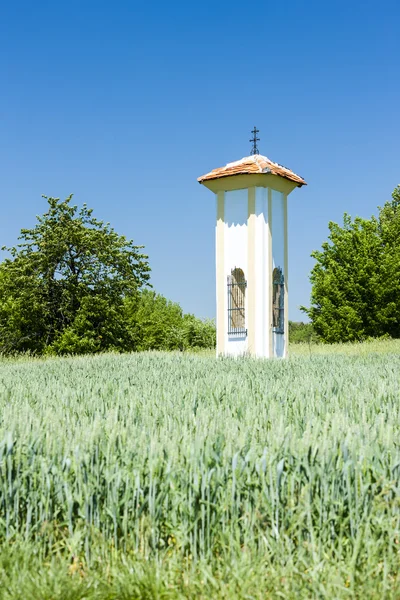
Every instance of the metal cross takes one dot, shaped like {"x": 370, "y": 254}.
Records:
{"x": 255, "y": 139}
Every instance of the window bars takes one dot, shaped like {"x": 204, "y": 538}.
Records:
{"x": 236, "y": 303}
{"x": 237, "y": 300}
{"x": 278, "y": 301}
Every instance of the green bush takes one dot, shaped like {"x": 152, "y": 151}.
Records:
{"x": 156, "y": 323}
{"x": 300, "y": 332}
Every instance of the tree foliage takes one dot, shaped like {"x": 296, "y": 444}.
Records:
{"x": 64, "y": 286}
{"x": 300, "y": 332}
{"x": 159, "y": 324}
{"x": 73, "y": 285}
{"x": 356, "y": 278}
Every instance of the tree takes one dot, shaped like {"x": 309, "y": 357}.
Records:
{"x": 63, "y": 289}
{"x": 356, "y": 278}
{"x": 389, "y": 284}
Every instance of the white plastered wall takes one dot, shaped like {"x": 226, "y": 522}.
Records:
{"x": 235, "y": 255}
{"x": 278, "y": 258}
{"x": 262, "y": 262}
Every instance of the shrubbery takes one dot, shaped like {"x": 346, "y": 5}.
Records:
{"x": 159, "y": 324}
{"x": 300, "y": 332}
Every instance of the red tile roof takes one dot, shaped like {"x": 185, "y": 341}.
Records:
{"x": 253, "y": 164}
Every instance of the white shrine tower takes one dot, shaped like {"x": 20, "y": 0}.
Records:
{"x": 252, "y": 254}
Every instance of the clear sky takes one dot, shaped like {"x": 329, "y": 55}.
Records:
{"x": 126, "y": 103}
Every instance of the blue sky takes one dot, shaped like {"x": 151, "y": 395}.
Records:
{"x": 126, "y": 103}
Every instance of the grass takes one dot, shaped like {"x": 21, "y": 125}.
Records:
{"x": 380, "y": 346}
{"x": 179, "y": 476}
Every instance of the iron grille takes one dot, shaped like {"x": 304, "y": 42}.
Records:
{"x": 278, "y": 301}
{"x": 236, "y": 303}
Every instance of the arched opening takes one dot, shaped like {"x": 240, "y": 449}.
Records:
{"x": 278, "y": 300}
{"x": 237, "y": 302}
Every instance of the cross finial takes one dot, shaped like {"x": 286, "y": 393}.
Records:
{"x": 255, "y": 139}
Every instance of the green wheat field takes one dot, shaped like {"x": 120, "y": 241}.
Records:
{"x": 182, "y": 476}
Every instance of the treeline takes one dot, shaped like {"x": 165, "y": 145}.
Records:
{"x": 73, "y": 285}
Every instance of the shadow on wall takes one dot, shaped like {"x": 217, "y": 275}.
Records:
{"x": 236, "y": 208}
{"x": 235, "y": 222}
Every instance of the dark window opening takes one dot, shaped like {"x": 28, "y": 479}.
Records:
{"x": 236, "y": 303}
{"x": 278, "y": 301}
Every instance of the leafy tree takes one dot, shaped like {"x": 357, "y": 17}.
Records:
{"x": 356, "y": 278}
{"x": 389, "y": 284}
{"x": 63, "y": 288}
